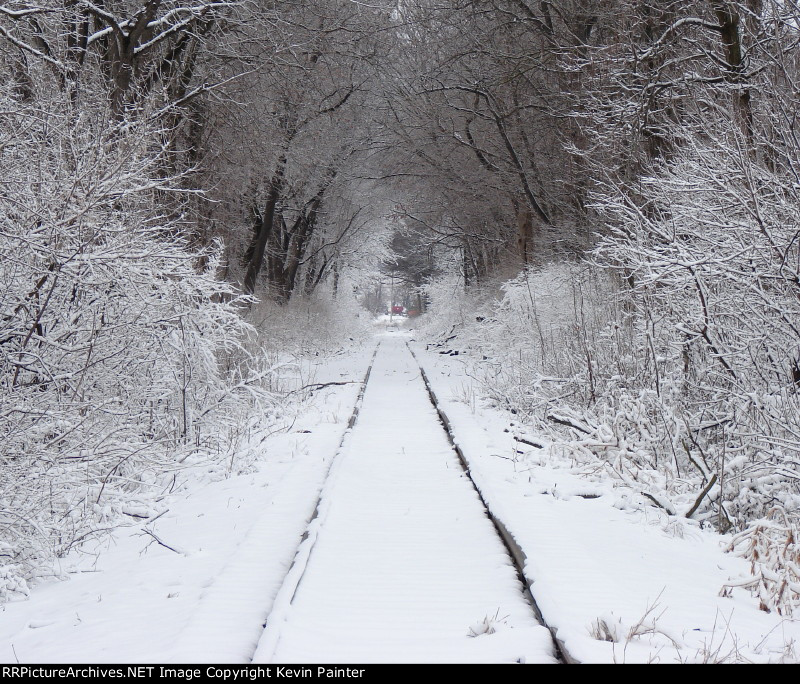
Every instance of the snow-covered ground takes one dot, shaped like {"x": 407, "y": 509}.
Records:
{"x": 133, "y": 600}
{"x": 404, "y": 565}
{"x": 616, "y": 579}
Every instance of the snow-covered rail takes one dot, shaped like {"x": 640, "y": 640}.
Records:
{"x": 515, "y": 552}
{"x": 289, "y": 584}
{"x": 402, "y": 560}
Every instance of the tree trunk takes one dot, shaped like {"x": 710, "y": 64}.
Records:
{"x": 524, "y": 233}
{"x": 263, "y": 230}
{"x": 734, "y": 57}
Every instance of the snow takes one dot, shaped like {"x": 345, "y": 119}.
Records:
{"x": 403, "y": 565}
{"x": 132, "y": 600}
{"x": 598, "y": 556}
{"x": 400, "y": 562}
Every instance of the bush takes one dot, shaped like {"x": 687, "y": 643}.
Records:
{"x": 121, "y": 356}
{"x": 613, "y": 377}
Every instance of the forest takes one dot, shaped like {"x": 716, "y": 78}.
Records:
{"x": 599, "y": 199}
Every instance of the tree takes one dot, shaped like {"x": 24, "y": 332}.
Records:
{"x": 480, "y": 115}
{"x": 115, "y": 344}
{"x": 308, "y": 137}
{"x": 137, "y": 47}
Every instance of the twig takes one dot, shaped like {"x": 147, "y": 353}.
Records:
{"x": 158, "y": 516}
{"x": 540, "y": 445}
{"x": 665, "y": 505}
{"x": 319, "y": 385}
{"x": 161, "y": 543}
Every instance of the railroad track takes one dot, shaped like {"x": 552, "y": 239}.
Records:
{"x": 514, "y": 550}
{"x": 403, "y": 559}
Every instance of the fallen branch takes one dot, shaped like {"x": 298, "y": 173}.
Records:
{"x": 702, "y": 496}
{"x": 661, "y": 503}
{"x": 655, "y": 498}
{"x": 161, "y": 543}
{"x": 522, "y": 440}
{"x": 320, "y": 385}
{"x": 564, "y": 420}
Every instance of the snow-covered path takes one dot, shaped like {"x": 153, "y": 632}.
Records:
{"x": 401, "y": 563}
